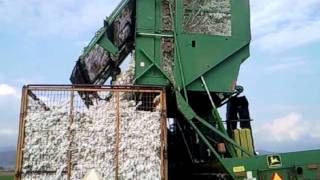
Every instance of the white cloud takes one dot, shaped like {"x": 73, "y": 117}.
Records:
{"x": 8, "y": 132}
{"x": 9, "y": 114}
{"x": 315, "y": 129}
{"x": 291, "y": 130}
{"x": 7, "y": 90}
{"x": 291, "y": 37}
{"x": 66, "y": 18}
{"x": 283, "y": 64}
{"x": 8, "y": 137}
{"x": 279, "y": 25}
{"x": 284, "y": 129}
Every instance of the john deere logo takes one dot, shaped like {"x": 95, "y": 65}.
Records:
{"x": 274, "y": 161}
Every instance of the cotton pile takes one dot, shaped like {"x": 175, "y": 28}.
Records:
{"x": 210, "y": 17}
{"x": 92, "y": 141}
{"x": 89, "y": 136}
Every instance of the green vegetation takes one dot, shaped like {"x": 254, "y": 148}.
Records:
{"x": 6, "y": 175}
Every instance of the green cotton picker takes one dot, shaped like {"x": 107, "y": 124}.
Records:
{"x": 194, "y": 49}
{"x": 186, "y": 58}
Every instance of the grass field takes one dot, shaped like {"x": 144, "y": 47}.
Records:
{"x": 6, "y": 176}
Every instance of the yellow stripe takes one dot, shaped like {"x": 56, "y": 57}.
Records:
{"x": 236, "y": 134}
{"x": 249, "y": 141}
{"x": 243, "y": 140}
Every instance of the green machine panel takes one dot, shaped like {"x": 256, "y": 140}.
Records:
{"x": 209, "y": 39}
{"x": 295, "y": 166}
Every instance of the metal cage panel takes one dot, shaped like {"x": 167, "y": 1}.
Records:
{"x": 119, "y": 131}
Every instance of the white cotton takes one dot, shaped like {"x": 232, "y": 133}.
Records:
{"x": 92, "y": 142}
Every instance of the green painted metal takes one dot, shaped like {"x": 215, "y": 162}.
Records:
{"x": 148, "y": 21}
{"x": 101, "y": 38}
{"x": 216, "y": 117}
{"x": 202, "y": 62}
{"x": 215, "y": 112}
{"x": 309, "y": 161}
{"x": 189, "y": 114}
{"x": 217, "y": 58}
{"x": 205, "y": 140}
{"x": 99, "y": 34}
{"x": 117, "y": 11}
{"x": 175, "y": 25}
{"x": 219, "y": 64}
{"x": 105, "y": 43}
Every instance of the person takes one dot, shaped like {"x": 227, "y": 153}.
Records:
{"x": 238, "y": 111}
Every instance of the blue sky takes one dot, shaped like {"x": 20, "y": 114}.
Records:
{"x": 40, "y": 41}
